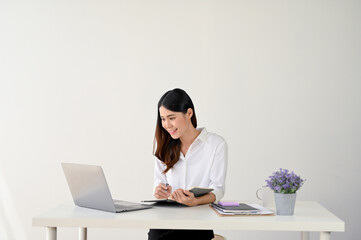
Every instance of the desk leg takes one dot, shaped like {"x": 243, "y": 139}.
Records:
{"x": 325, "y": 236}
{"x": 51, "y": 233}
{"x": 83, "y": 233}
{"x": 305, "y": 235}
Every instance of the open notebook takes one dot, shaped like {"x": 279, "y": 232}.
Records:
{"x": 197, "y": 191}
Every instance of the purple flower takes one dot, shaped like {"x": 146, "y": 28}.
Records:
{"x": 284, "y": 181}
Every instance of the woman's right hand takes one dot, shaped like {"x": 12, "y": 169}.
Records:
{"x": 162, "y": 191}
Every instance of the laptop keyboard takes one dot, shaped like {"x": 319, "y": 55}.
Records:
{"x": 120, "y": 207}
{"x": 124, "y": 206}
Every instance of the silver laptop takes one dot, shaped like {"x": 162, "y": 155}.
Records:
{"x": 89, "y": 189}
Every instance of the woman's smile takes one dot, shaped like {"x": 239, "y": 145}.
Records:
{"x": 173, "y": 131}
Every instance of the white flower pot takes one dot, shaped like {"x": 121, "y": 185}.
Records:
{"x": 285, "y": 203}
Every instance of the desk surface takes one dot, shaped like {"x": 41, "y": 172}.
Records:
{"x": 308, "y": 216}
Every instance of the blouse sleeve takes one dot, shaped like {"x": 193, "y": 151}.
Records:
{"x": 219, "y": 171}
{"x": 159, "y": 176}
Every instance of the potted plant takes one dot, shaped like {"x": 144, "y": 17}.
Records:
{"x": 285, "y": 185}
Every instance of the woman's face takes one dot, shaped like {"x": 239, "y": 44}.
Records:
{"x": 175, "y": 123}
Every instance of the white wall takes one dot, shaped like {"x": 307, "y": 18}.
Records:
{"x": 80, "y": 80}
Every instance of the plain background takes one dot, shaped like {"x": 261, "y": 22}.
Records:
{"x": 80, "y": 80}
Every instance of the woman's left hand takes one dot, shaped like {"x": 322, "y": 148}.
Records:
{"x": 185, "y": 197}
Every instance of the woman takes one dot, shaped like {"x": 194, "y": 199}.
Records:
{"x": 186, "y": 156}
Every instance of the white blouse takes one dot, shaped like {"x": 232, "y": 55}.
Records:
{"x": 205, "y": 165}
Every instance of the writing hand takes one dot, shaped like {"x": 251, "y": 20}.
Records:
{"x": 185, "y": 197}
{"x": 162, "y": 191}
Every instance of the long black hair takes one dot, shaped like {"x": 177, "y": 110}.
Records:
{"x": 166, "y": 148}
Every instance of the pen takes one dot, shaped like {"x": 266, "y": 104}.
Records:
{"x": 166, "y": 185}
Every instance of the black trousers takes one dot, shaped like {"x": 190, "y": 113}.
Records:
{"x": 170, "y": 234}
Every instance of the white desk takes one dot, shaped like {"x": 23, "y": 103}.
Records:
{"x": 309, "y": 216}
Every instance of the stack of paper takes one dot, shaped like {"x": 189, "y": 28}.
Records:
{"x": 241, "y": 209}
